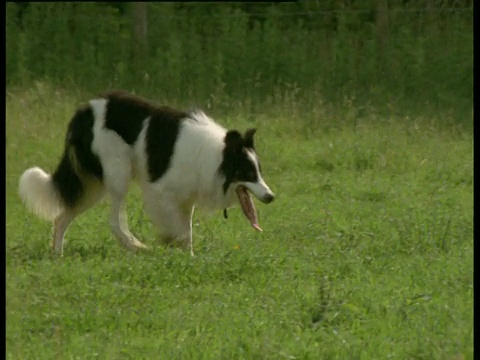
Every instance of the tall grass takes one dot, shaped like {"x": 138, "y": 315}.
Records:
{"x": 230, "y": 54}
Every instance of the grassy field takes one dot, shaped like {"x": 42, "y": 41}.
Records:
{"x": 367, "y": 252}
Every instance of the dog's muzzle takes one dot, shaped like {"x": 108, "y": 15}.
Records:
{"x": 268, "y": 198}
{"x": 261, "y": 191}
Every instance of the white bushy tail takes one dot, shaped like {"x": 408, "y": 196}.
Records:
{"x": 39, "y": 194}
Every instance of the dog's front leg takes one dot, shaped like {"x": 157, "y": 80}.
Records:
{"x": 175, "y": 227}
{"x": 183, "y": 242}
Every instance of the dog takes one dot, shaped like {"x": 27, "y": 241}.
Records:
{"x": 181, "y": 160}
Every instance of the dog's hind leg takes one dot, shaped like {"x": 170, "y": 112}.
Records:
{"x": 95, "y": 193}
{"x": 60, "y": 225}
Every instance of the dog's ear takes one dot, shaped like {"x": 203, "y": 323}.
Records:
{"x": 248, "y": 138}
{"x": 233, "y": 141}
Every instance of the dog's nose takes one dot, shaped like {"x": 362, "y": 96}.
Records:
{"x": 268, "y": 198}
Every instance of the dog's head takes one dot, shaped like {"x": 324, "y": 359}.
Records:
{"x": 242, "y": 172}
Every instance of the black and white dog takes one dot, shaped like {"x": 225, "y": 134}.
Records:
{"x": 181, "y": 160}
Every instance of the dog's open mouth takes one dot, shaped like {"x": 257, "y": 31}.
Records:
{"x": 248, "y": 207}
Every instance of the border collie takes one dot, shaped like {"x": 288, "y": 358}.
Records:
{"x": 181, "y": 160}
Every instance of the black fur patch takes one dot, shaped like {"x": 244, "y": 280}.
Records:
{"x": 67, "y": 182}
{"x": 236, "y": 165}
{"x": 125, "y": 114}
{"x": 248, "y": 138}
{"x": 78, "y": 147}
{"x": 162, "y": 134}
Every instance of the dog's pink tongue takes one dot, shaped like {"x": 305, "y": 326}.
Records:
{"x": 248, "y": 207}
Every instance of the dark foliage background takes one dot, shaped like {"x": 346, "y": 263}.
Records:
{"x": 408, "y": 55}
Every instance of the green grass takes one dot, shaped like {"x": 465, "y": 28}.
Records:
{"x": 367, "y": 252}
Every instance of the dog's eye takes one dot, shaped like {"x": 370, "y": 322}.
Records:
{"x": 251, "y": 176}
